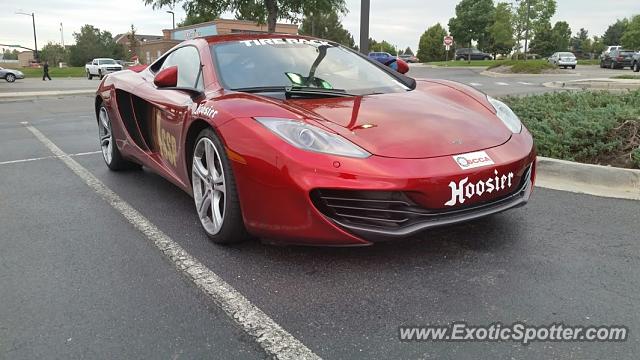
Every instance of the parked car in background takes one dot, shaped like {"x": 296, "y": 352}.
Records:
{"x": 563, "y": 59}
{"x": 608, "y": 51}
{"x": 635, "y": 62}
{"x": 409, "y": 58}
{"x": 381, "y": 56}
{"x": 391, "y": 61}
{"x": 463, "y": 54}
{"x": 101, "y": 67}
{"x": 617, "y": 59}
{"x": 10, "y": 75}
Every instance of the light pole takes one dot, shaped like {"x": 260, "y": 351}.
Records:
{"x": 173, "y": 18}
{"x": 365, "y": 6}
{"x": 526, "y": 33}
{"x": 35, "y": 40}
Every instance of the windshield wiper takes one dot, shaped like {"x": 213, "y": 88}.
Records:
{"x": 297, "y": 91}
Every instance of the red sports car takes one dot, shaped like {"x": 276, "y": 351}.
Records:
{"x": 299, "y": 140}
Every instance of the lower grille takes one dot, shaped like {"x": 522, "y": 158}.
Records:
{"x": 393, "y": 212}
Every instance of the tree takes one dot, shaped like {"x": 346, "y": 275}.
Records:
{"x": 198, "y": 12}
{"x": 631, "y": 37}
{"x": 538, "y": 13}
{"x": 542, "y": 43}
{"x": 581, "y": 41}
{"x": 614, "y": 32}
{"x": 430, "y": 47}
{"x": 383, "y": 46}
{"x": 561, "y": 36}
{"x": 597, "y": 46}
{"x": 134, "y": 43}
{"x": 261, "y": 11}
{"x": 473, "y": 17}
{"x": 327, "y": 26}
{"x": 92, "y": 43}
{"x": 10, "y": 55}
{"x": 54, "y": 53}
{"x": 408, "y": 51}
{"x": 501, "y": 39}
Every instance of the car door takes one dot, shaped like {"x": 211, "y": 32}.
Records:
{"x": 170, "y": 107}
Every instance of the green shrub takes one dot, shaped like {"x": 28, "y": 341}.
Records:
{"x": 525, "y": 67}
{"x": 591, "y": 127}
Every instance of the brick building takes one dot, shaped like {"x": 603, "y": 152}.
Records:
{"x": 153, "y": 46}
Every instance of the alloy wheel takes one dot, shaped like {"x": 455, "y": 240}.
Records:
{"x": 208, "y": 181}
{"x": 106, "y": 138}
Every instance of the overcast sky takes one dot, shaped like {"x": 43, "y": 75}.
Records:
{"x": 399, "y": 21}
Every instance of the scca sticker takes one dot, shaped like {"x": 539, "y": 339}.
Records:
{"x": 473, "y": 160}
{"x": 166, "y": 142}
{"x": 283, "y": 41}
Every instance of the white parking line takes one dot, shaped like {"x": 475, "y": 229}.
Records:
{"x": 475, "y": 84}
{"x": 502, "y": 84}
{"x": 525, "y": 83}
{"x": 46, "y": 157}
{"x": 276, "y": 341}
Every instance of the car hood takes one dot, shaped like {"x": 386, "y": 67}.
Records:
{"x": 436, "y": 119}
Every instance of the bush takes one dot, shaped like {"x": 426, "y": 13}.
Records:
{"x": 591, "y": 127}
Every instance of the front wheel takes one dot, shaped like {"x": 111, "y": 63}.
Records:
{"x": 636, "y": 66}
{"x": 110, "y": 152}
{"x": 10, "y": 78}
{"x": 612, "y": 65}
{"x": 214, "y": 191}
{"x": 89, "y": 76}
{"x": 100, "y": 74}
{"x": 573, "y": 67}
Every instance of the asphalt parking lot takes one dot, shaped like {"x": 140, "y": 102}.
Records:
{"x": 78, "y": 281}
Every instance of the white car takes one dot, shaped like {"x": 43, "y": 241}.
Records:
{"x": 101, "y": 67}
{"x": 563, "y": 59}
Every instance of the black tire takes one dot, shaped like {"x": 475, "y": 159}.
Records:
{"x": 232, "y": 229}
{"x": 100, "y": 74}
{"x": 612, "y": 66}
{"x": 573, "y": 67}
{"x": 487, "y": 58}
{"x": 636, "y": 66}
{"x": 461, "y": 58}
{"x": 89, "y": 76}
{"x": 601, "y": 64}
{"x": 111, "y": 155}
{"x": 10, "y": 78}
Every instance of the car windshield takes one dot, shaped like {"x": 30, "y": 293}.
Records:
{"x": 107, "y": 62}
{"x": 566, "y": 54}
{"x": 276, "y": 63}
{"x": 626, "y": 52}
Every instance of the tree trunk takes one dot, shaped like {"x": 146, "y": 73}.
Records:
{"x": 272, "y": 14}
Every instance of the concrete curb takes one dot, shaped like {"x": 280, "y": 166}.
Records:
{"x": 595, "y": 84}
{"x": 590, "y": 179}
{"x": 39, "y": 94}
{"x": 490, "y": 73}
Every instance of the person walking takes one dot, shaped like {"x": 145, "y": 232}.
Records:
{"x": 45, "y": 67}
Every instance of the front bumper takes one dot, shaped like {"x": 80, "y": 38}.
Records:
{"x": 277, "y": 185}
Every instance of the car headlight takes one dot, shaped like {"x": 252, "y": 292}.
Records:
{"x": 508, "y": 117}
{"x": 311, "y": 138}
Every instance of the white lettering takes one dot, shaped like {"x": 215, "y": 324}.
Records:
{"x": 467, "y": 189}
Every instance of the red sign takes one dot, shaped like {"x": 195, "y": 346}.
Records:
{"x": 448, "y": 40}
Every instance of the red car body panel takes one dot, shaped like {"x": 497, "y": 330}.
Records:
{"x": 412, "y": 136}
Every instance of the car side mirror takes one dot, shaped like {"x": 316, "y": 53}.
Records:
{"x": 167, "y": 78}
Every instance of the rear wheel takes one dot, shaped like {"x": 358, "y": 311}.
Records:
{"x": 636, "y": 66}
{"x": 214, "y": 191}
{"x": 110, "y": 152}
{"x": 10, "y": 78}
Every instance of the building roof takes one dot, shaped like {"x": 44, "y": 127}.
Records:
{"x": 139, "y": 37}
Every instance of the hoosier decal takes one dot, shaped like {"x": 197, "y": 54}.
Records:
{"x": 206, "y": 111}
{"x": 464, "y": 189}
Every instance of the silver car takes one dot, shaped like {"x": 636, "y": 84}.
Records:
{"x": 10, "y": 74}
{"x": 563, "y": 59}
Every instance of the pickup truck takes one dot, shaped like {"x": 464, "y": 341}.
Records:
{"x": 101, "y": 67}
